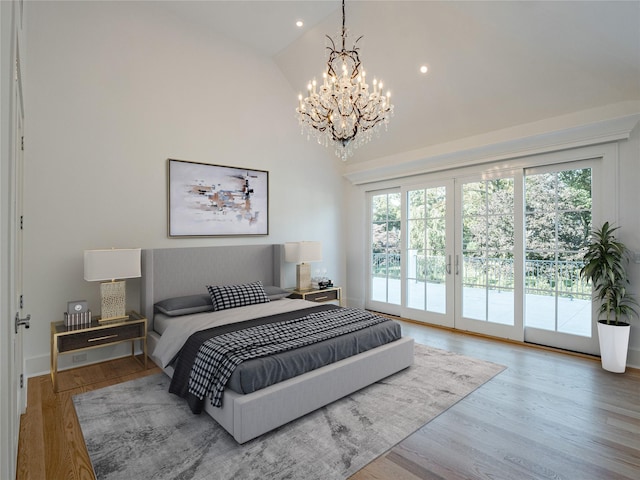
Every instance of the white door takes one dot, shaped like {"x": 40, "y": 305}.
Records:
{"x": 488, "y": 255}
{"x": 18, "y": 360}
{"x": 384, "y": 284}
{"x": 428, "y": 254}
{"x": 558, "y": 222}
{"x": 12, "y": 401}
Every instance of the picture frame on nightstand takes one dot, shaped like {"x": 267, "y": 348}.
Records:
{"x": 77, "y": 314}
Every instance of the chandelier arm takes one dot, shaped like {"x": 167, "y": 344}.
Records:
{"x": 333, "y": 47}
{"x": 332, "y": 58}
{"x": 310, "y": 120}
{"x": 327, "y": 107}
{"x": 344, "y": 141}
{"x": 356, "y": 65}
{"x": 344, "y": 113}
{"x": 314, "y": 117}
{"x": 369, "y": 113}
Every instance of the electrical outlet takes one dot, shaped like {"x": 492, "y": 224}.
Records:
{"x": 81, "y": 357}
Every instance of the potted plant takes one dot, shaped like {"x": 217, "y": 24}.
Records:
{"x": 605, "y": 264}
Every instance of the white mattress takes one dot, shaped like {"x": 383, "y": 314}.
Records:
{"x": 176, "y": 330}
{"x": 161, "y": 322}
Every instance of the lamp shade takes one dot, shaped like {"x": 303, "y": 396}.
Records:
{"x": 303, "y": 252}
{"x": 116, "y": 263}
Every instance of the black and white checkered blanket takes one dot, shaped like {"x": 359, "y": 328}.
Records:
{"x": 219, "y": 356}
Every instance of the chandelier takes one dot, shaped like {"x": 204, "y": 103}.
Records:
{"x": 341, "y": 111}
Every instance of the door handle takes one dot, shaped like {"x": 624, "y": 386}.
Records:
{"x": 22, "y": 321}
{"x": 457, "y": 264}
{"x": 449, "y": 265}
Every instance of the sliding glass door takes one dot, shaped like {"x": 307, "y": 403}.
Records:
{"x": 558, "y": 222}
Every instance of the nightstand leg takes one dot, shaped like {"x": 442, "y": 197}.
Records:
{"x": 54, "y": 368}
{"x": 143, "y": 344}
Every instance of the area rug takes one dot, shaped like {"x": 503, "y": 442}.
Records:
{"x": 137, "y": 430}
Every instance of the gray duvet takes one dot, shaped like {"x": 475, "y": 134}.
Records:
{"x": 255, "y": 374}
{"x": 259, "y": 373}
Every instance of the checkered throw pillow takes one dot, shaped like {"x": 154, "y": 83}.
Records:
{"x": 232, "y": 296}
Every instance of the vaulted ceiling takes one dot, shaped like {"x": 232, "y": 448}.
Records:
{"x": 492, "y": 65}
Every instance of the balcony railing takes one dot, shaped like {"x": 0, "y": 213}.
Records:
{"x": 542, "y": 277}
{"x": 386, "y": 264}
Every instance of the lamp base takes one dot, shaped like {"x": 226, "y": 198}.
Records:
{"x": 303, "y": 276}
{"x": 113, "y": 296}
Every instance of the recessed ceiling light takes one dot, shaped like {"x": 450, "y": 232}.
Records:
{"x": 299, "y": 23}
{"x": 424, "y": 69}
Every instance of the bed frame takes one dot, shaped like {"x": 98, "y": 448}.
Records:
{"x": 171, "y": 272}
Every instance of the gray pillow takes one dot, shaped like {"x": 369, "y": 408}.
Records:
{"x": 177, "y": 306}
{"x": 276, "y": 293}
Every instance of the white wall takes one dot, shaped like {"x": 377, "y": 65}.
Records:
{"x": 629, "y": 221}
{"x": 487, "y": 152}
{"x": 113, "y": 90}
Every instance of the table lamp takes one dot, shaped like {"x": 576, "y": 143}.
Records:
{"x": 303, "y": 253}
{"x": 113, "y": 265}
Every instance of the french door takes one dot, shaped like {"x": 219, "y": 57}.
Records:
{"x": 456, "y": 265}
{"x": 428, "y": 279}
{"x": 385, "y": 251}
{"x": 497, "y": 254}
{"x": 489, "y": 255}
{"x": 459, "y": 257}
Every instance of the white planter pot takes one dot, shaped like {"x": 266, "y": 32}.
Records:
{"x": 614, "y": 345}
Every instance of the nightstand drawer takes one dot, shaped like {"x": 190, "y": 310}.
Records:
{"x": 322, "y": 296}
{"x": 101, "y": 336}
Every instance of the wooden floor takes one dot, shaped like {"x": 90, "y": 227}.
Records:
{"x": 51, "y": 445}
{"x": 549, "y": 415}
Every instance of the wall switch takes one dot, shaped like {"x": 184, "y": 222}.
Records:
{"x": 81, "y": 357}
{"x": 636, "y": 257}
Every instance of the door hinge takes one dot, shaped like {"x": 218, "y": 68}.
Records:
{"x": 21, "y": 222}
{"x": 21, "y": 301}
{"x": 22, "y": 143}
{"x": 22, "y": 380}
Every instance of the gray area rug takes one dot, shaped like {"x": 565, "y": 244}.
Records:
{"x": 137, "y": 430}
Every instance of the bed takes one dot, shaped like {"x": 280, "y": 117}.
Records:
{"x": 176, "y": 272}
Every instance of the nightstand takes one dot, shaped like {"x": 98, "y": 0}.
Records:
{"x": 320, "y": 296}
{"x": 75, "y": 339}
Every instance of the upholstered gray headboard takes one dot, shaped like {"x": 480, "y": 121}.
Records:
{"x": 173, "y": 272}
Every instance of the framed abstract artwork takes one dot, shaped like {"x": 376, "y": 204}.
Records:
{"x": 207, "y": 200}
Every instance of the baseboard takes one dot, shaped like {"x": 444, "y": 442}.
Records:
{"x": 633, "y": 355}
{"x": 41, "y": 365}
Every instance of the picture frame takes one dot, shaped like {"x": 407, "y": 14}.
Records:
{"x": 209, "y": 200}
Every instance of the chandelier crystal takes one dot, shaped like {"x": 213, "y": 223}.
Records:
{"x": 341, "y": 111}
